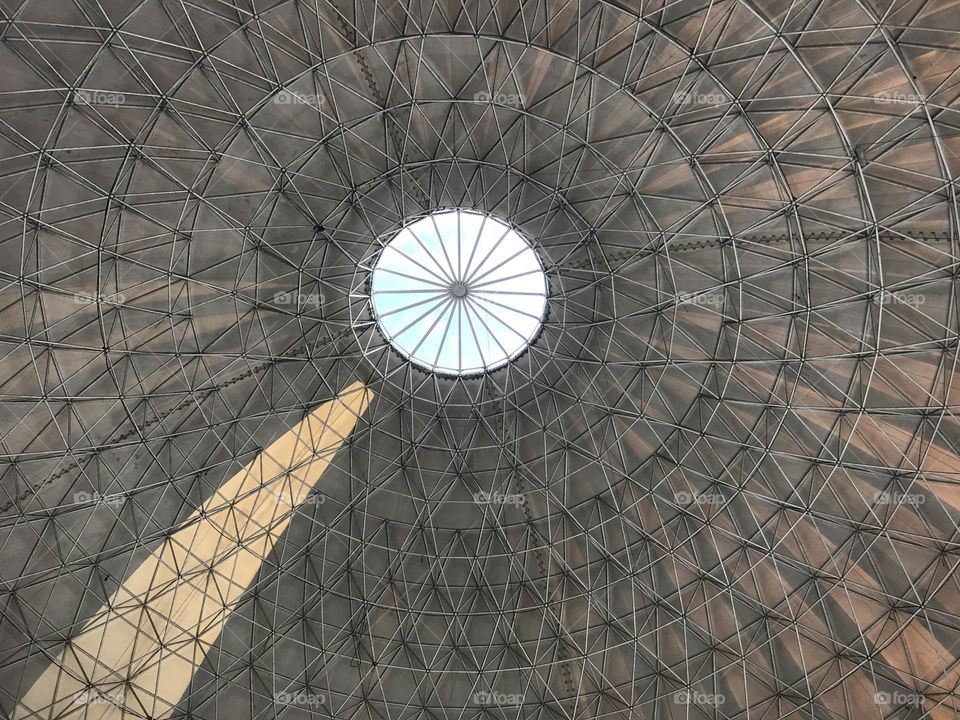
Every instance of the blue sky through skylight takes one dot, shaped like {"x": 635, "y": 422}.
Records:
{"x": 459, "y": 292}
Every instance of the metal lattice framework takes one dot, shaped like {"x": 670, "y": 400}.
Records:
{"x": 724, "y": 481}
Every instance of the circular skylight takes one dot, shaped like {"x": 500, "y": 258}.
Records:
{"x": 459, "y": 292}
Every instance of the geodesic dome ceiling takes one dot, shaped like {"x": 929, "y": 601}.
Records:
{"x": 721, "y": 482}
